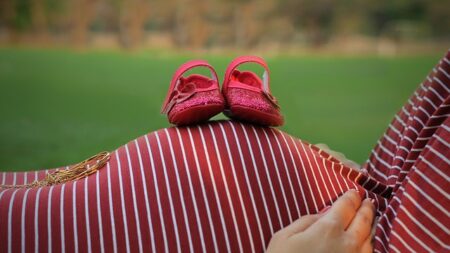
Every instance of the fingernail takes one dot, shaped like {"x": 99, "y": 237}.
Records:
{"x": 325, "y": 209}
{"x": 355, "y": 191}
{"x": 373, "y": 202}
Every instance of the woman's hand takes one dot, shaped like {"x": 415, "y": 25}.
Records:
{"x": 345, "y": 227}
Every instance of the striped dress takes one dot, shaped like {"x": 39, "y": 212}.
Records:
{"x": 227, "y": 187}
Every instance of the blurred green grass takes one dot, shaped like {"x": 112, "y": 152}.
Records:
{"x": 58, "y": 107}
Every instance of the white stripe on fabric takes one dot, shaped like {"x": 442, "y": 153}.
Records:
{"x": 336, "y": 177}
{"x": 24, "y": 204}
{"x": 446, "y": 128}
{"x": 429, "y": 198}
{"x": 423, "y": 227}
{"x": 374, "y": 169}
{"x": 111, "y": 210}
{"x": 257, "y": 176}
{"x": 202, "y": 184}
{"x": 147, "y": 204}
{"x": 381, "y": 228}
{"x": 351, "y": 181}
{"x": 286, "y": 168}
{"x": 219, "y": 205}
{"x": 435, "y": 107}
{"x": 385, "y": 150}
{"x": 379, "y": 159}
{"x": 402, "y": 241}
{"x": 439, "y": 154}
{"x": 400, "y": 120}
{"x": 324, "y": 166}
{"x": 446, "y": 60}
{"x": 437, "y": 94}
{"x": 99, "y": 215}
{"x": 424, "y": 211}
{"x": 180, "y": 192}
{"x": 269, "y": 179}
{"x": 158, "y": 198}
{"x": 36, "y": 221}
{"x": 444, "y": 72}
{"x": 442, "y": 141}
{"x": 343, "y": 178}
{"x": 169, "y": 193}
{"x": 191, "y": 188}
{"x": 413, "y": 129}
{"x": 296, "y": 174}
{"x": 388, "y": 138}
{"x": 442, "y": 84}
{"x": 382, "y": 244}
{"x": 11, "y": 203}
{"x": 313, "y": 174}
{"x": 238, "y": 188}
{"x": 433, "y": 167}
{"x": 321, "y": 175}
{"x": 74, "y": 209}
{"x": 277, "y": 173}
{"x": 61, "y": 214}
{"x": 440, "y": 116}
{"x": 133, "y": 195}
{"x": 122, "y": 200}
{"x": 86, "y": 214}
{"x": 227, "y": 191}
{"x": 413, "y": 236}
{"x": 304, "y": 173}
{"x": 49, "y": 219}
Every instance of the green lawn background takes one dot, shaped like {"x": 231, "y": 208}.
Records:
{"x": 58, "y": 107}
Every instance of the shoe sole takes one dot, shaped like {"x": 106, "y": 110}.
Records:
{"x": 251, "y": 115}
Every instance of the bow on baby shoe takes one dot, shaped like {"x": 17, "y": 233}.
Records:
{"x": 179, "y": 95}
{"x": 271, "y": 99}
{"x": 194, "y": 98}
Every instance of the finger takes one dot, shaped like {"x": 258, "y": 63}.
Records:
{"x": 361, "y": 225}
{"x": 367, "y": 246}
{"x": 300, "y": 224}
{"x": 344, "y": 209}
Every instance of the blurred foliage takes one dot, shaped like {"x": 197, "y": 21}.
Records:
{"x": 58, "y": 107}
{"x": 229, "y": 23}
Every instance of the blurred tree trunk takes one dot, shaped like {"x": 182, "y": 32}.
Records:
{"x": 39, "y": 20}
{"x": 7, "y": 15}
{"x": 191, "y": 24}
{"x": 199, "y": 31}
{"x": 81, "y": 18}
{"x": 133, "y": 15}
{"x": 239, "y": 25}
{"x": 180, "y": 31}
{"x": 246, "y": 22}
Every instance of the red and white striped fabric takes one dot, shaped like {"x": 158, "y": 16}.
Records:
{"x": 227, "y": 187}
{"x": 412, "y": 159}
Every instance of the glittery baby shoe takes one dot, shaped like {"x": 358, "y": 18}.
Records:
{"x": 195, "y": 98}
{"x": 248, "y": 97}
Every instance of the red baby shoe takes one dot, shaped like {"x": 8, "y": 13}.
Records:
{"x": 248, "y": 97}
{"x": 195, "y": 98}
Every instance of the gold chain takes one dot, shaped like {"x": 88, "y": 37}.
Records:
{"x": 77, "y": 171}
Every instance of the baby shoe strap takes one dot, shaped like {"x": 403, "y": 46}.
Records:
{"x": 180, "y": 72}
{"x": 246, "y": 59}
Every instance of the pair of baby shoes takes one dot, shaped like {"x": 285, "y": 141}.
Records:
{"x": 244, "y": 96}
